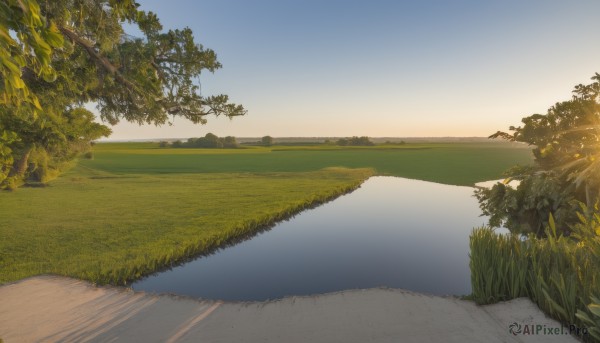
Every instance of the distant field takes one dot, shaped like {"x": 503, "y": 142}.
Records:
{"x": 450, "y": 163}
{"x": 136, "y": 208}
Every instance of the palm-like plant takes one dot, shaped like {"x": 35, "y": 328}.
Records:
{"x": 566, "y": 145}
{"x": 584, "y": 167}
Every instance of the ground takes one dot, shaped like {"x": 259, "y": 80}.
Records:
{"x": 49, "y": 308}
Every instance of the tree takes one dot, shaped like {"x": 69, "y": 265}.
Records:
{"x": 566, "y": 148}
{"x": 342, "y": 141}
{"x": 210, "y": 140}
{"x": 355, "y": 141}
{"x": 57, "y": 55}
{"x": 229, "y": 142}
{"x": 267, "y": 140}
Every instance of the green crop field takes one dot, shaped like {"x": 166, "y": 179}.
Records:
{"x": 136, "y": 208}
{"x": 450, "y": 163}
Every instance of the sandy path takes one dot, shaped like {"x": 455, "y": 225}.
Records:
{"x": 57, "y": 309}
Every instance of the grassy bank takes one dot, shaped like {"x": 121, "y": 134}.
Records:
{"x": 136, "y": 208}
{"x": 109, "y": 229}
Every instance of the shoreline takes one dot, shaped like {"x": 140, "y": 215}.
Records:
{"x": 54, "y": 308}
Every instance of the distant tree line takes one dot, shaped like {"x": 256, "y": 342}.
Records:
{"x": 355, "y": 141}
{"x": 210, "y": 141}
{"x": 264, "y": 141}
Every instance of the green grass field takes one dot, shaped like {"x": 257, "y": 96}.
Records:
{"x": 136, "y": 208}
{"x": 450, "y": 163}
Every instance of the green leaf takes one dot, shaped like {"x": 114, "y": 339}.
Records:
{"x": 34, "y": 13}
{"x": 16, "y": 81}
{"x": 53, "y": 36}
{"x": 11, "y": 66}
{"x": 49, "y": 75}
{"x": 552, "y": 225}
{"x": 36, "y": 103}
{"x": 584, "y": 317}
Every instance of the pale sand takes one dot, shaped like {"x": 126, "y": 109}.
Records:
{"x": 58, "y": 309}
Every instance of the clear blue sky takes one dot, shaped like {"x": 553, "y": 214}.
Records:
{"x": 384, "y": 68}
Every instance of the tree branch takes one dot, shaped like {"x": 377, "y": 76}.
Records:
{"x": 100, "y": 60}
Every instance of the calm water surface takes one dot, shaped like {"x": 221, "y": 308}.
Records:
{"x": 391, "y": 232}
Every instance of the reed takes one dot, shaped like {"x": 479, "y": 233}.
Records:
{"x": 498, "y": 266}
{"x": 561, "y": 274}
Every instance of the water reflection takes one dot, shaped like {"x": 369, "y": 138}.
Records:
{"x": 489, "y": 184}
{"x": 391, "y": 232}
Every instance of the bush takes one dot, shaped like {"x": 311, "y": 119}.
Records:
{"x": 163, "y": 144}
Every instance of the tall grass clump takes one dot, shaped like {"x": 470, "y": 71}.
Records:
{"x": 498, "y": 266}
{"x": 561, "y": 274}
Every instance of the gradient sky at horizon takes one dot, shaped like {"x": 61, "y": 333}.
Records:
{"x": 383, "y": 68}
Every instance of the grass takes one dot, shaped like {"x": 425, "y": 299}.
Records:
{"x": 135, "y": 208}
{"x": 110, "y": 229}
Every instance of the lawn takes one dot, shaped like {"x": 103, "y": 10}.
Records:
{"x": 136, "y": 208}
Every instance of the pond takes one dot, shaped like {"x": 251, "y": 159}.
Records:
{"x": 391, "y": 232}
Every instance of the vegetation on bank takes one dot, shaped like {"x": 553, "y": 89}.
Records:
{"x": 565, "y": 143}
{"x": 553, "y": 253}
{"x": 560, "y": 274}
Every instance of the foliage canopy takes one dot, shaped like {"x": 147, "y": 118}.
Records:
{"x": 566, "y": 146}
{"x": 58, "y": 55}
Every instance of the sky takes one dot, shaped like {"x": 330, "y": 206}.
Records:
{"x": 379, "y": 68}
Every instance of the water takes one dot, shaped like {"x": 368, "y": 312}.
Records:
{"x": 391, "y": 232}
{"x": 490, "y": 184}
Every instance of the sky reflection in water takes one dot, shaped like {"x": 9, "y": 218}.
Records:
{"x": 391, "y": 232}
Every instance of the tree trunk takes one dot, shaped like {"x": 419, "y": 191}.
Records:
{"x": 20, "y": 165}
